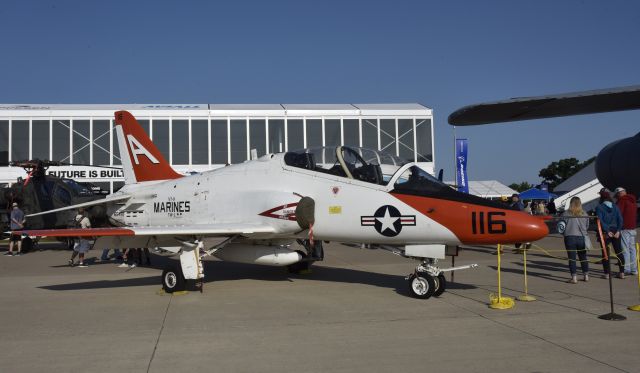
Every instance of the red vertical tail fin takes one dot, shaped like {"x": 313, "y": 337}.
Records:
{"x": 141, "y": 159}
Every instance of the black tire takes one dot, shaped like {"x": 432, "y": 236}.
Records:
{"x": 441, "y": 285}
{"x": 422, "y": 287}
{"x": 173, "y": 279}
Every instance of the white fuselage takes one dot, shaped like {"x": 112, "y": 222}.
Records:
{"x": 240, "y": 193}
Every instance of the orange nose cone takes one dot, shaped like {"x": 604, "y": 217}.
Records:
{"x": 526, "y": 228}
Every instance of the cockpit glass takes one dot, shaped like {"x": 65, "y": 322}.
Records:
{"x": 78, "y": 189}
{"x": 415, "y": 179}
{"x": 350, "y": 162}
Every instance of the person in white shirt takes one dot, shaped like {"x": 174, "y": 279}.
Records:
{"x": 82, "y": 245}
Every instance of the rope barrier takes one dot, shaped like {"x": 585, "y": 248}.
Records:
{"x": 500, "y": 302}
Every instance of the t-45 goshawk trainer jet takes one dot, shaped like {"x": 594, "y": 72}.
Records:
{"x": 253, "y": 212}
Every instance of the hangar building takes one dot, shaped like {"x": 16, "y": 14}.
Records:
{"x": 200, "y": 137}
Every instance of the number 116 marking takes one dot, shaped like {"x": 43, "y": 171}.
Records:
{"x": 492, "y": 224}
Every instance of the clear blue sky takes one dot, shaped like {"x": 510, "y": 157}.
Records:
{"x": 443, "y": 54}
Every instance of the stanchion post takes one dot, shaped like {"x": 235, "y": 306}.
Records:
{"x": 636, "y": 307}
{"x": 500, "y": 303}
{"x": 605, "y": 255}
{"x": 525, "y": 297}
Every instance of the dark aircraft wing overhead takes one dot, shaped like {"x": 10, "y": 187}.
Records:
{"x": 526, "y": 108}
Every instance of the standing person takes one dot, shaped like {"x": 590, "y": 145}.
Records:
{"x": 17, "y": 223}
{"x": 611, "y": 222}
{"x": 577, "y": 224}
{"x": 629, "y": 210}
{"x": 551, "y": 206}
{"x": 82, "y": 244}
{"x": 516, "y": 204}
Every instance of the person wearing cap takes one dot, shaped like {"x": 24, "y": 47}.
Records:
{"x": 611, "y": 222}
{"x": 17, "y": 223}
{"x": 516, "y": 203}
{"x": 81, "y": 245}
{"x": 626, "y": 202}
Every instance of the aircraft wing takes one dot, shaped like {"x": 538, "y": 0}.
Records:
{"x": 222, "y": 229}
{"x": 114, "y": 198}
{"x": 526, "y": 108}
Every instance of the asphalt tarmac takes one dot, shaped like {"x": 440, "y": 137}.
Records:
{"x": 351, "y": 314}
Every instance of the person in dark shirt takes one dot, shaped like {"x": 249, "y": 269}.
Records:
{"x": 516, "y": 203}
{"x": 611, "y": 223}
{"x": 16, "y": 223}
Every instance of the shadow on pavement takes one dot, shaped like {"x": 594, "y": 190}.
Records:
{"x": 228, "y": 271}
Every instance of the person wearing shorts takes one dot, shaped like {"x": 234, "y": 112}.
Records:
{"x": 17, "y": 223}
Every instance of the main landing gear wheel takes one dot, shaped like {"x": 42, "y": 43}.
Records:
{"x": 422, "y": 287}
{"x": 441, "y": 284}
{"x": 173, "y": 280}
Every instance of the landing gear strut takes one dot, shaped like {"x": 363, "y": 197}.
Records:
{"x": 313, "y": 254}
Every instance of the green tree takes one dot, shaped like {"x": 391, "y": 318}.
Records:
{"x": 557, "y": 172}
{"x": 520, "y": 187}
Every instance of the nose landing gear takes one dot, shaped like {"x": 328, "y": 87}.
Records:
{"x": 428, "y": 280}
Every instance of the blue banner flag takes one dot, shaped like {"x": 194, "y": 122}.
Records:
{"x": 461, "y": 165}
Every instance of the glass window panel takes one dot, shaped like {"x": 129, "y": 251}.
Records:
{"x": 116, "y": 148}
{"x": 370, "y": 133}
{"x": 276, "y": 135}
{"x": 405, "y": 139}
{"x": 117, "y": 185}
{"x": 60, "y": 140}
{"x": 161, "y": 136}
{"x": 4, "y": 141}
{"x": 144, "y": 123}
{"x": 219, "y": 142}
{"x": 238, "y": 140}
{"x": 423, "y": 140}
{"x": 388, "y": 135}
{"x": 19, "y": 140}
{"x": 180, "y": 138}
{"x": 332, "y": 135}
{"x": 257, "y": 136}
{"x": 81, "y": 149}
{"x": 351, "y": 132}
{"x": 200, "y": 141}
{"x": 314, "y": 133}
{"x": 40, "y": 139}
{"x": 101, "y": 142}
{"x": 295, "y": 134}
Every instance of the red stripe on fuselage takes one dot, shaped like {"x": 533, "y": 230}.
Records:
{"x": 77, "y": 232}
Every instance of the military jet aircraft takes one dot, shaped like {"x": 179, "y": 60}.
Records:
{"x": 253, "y": 212}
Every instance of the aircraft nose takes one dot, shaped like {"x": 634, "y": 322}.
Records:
{"x": 528, "y": 228}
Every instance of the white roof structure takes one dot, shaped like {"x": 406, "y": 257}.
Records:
{"x": 488, "y": 189}
{"x": 218, "y": 110}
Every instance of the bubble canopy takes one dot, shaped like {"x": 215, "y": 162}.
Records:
{"x": 362, "y": 164}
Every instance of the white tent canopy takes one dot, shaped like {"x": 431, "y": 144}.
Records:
{"x": 488, "y": 189}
